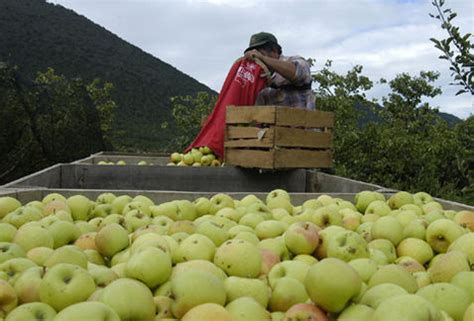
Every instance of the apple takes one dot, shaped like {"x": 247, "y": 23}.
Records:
{"x": 410, "y": 264}
{"x": 280, "y": 202}
{"x": 55, "y": 206}
{"x": 175, "y": 157}
{"x": 363, "y": 199}
{"x": 302, "y": 238}
{"x": 378, "y": 207}
{"x": 351, "y": 219}
{"x": 364, "y": 230}
{"x": 293, "y": 269}
{"x": 306, "y": 258}
{"x": 52, "y": 197}
{"x": 198, "y": 265}
{"x": 14, "y": 267}
{"x": 304, "y": 312}
{"x": 270, "y": 229}
{"x": 101, "y": 274}
{"x": 119, "y": 203}
{"x": 67, "y": 254}
{"x": 65, "y": 284}
{"x": 151, "y": 265}
{"x": 63, "y": 233}
{"x": 213, "y": 231}
{"x": 39, "y": 255}
{"x": 347, "y": 246}
{"x": 415, "y": 248}
{"x": 469, "y": 314}
{"x": 277, "y": 193}
{"x": 326, "y": 216}
{"x": 393, "y": 273}
{"x": 386, "y": 247}
{"x": 130, "y": 299}
{"x": 81, "y": 207}
{"x": 111, "y": 239}
{"x": 251, "y": 220}
{"x": 406, "y": 307}
{"x": 207, "y": 312}
{"x": 405, "y": 217}
{"x": 365, "y": 267}
{"x": 431, "y": 206}
{"x": 206, "y": 160}
{"x": 441, "y": 233}
{"x": 91, "y": 311}
{"x": 447, "y": 297}
{"x": 399, "y": 199}
{"x": 9, "y": 251}
{"x": 422, "y": 279}
{"x": 196, "y": 246}
{"x": 202, "y": 205}
{"x": 192, "y": 288}
{"x": 464, "y": 244}
{"x": 28, "y": 283}
{"x": 325, "y": 236}
{"x": 23, "y": 215}
{"x": 332, "y": 283}
{"x": 421, "y": 198}
{"x": 377, "y": 294}
{"x": 237, "y": 287}
{"x": 247, "y": 309}
{"x": 30, "y": 236}
{"x": 34, "y": 311}
{"x": 8, "y": 298}
{"x": 269, "y": 259}
{"x": 229, "y": 258}
{"x": 465, "y": 280}
{"x": 446, "y": 266}
{"x": 415, "y": 229}
{"x": 7, "y": 232}
{"x": 7, "y": 205}
{"x": 287, "y": 291}
{"x": 388, "y": 228}
{"x": 465, "y": 219}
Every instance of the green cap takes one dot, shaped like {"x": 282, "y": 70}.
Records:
{"x": 261, "y": 38}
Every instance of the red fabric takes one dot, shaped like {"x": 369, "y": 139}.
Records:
{"x": 243, "y": 83}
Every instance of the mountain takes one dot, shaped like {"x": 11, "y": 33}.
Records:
{"x": 36, "y": 35}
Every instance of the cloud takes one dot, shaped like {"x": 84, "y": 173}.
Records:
{"x": 203, "y": 37}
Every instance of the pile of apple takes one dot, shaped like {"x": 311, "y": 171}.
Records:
{"x": 122, "y": 162}
{"x": 220, "y": 259}
{"x": 202, "y": 156}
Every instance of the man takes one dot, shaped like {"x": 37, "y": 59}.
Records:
{"x": 291, "y": 76}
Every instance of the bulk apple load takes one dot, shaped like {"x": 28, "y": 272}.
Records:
{"x": 256, "y": 257}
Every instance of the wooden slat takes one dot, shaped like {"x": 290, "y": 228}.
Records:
{"x": 295, "y": 137}
{"x": 239, "y": 132}
{"x": 249, "y": 158}
{"x": 264, "y": 143}
{"x": 300, "y": 117}
{"x": 250, "y": 114}
{"x": 299, "y": 158}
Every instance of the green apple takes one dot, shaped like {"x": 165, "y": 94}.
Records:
{"x": 386, "y": 247}
{"x": 464, "y": 244}
{"x": 214, "y": 231}
{"x": 237, "y": 287}
{"x": 356, "y": 312}
{"x": 119, "y": 203}
{"x": 8, "y": 298}
{"x": 219, "y": 201}
{"x": 55, "y": 206}
{"x": 421, "y": 198}
{"x": 23, "y": 215}
{"x": 347, "y": 246}
{"x": 365, "y": 267}
{"x": 446, "y": 266}
{"x": 351, "y": 219}
{"x": 415, "y": 248}
{"x": 30, "y": 236}
{"x": 465, "y": 219}
{"x": 130, "y": 299}
{"x": 52, "y": 197}
{"x": 377, "y": 294}
{"x": 326, "y": 216}
{"x": 415, "y": 229}
{"x": 63, "y": 233}
{"x": 378, "y": 207}
{"x": 306, "y": 258}
{"x": 105, "y": 198}
{"x": 332, "y": 283}
{"x": 406, "y": 307}
{"x": 81, "y": 207}
{"x": 193, "y": 288}
{"x": 364, "y": 230}
{"x": 247, "y": 236}
{"x": 198, "y": 265}
{"x": 422, "y": 279}
{"x": 249, "y": 199}
{"x": 67, "y": 254}
{"x": 39, "y": 255}
{"x": 431, "y": 206}
{"x": 7, "y": 205}
{"x": 15, "y": 267}
{"x": 363, "y": 199}
{"x": 196, "y": 246}
{"x": 405, "y": 217}
{"x": 9, "y": 251}
{"x": 447, "y": 297}
{"x": 277, "y": 193}
{"x": 28, "y": 283}
{"x": 202, "y": 205}
{"x": 399, "y": 199}
{"x": 287, "y": 292}
{"x": 469, "y": 314}
{"x": 111, "y": 239}
{"x": 302, "y": 238}
{"x": 441, "y": 233}
{"x": 251, "y": 220}
{"x": 34, "y": 311}
{"x": 207, "y": 312}
{"x": 229, "y": 258}
{"x": 388, "y": 228}
{"x": 465, "y": 280}
{"x": 280, "y": 202}
{"x": 269, "y": 260}
{"x": 7, "y": 232}
{"x": 151, "y": 266}
{"x": 90, "y": 311}
{"x": 247, "y": 309}
{"x": 394, "y": 274}
{"x": 270, "y": 229}
{"x": 325, "y": 236}
{"x": 65, "y": 284}
{"x": 86, "y": 241}
{"x": 293, "y": 269}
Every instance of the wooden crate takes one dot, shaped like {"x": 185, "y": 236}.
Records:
{"x": 275, "y": 137}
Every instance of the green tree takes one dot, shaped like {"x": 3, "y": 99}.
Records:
{"x": 106, "y": 106}
{"x": 456, "y": 49}
{"x": 188, "y": 114}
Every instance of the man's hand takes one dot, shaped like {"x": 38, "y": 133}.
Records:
{"x": 252, "y": 54}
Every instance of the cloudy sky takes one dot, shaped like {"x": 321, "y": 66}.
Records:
{"x": 202, "y": 38}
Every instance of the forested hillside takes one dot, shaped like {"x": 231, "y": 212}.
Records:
{"x": 36, "y": 35}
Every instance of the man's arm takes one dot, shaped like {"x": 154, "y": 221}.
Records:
{"x": 285, "y": 68}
